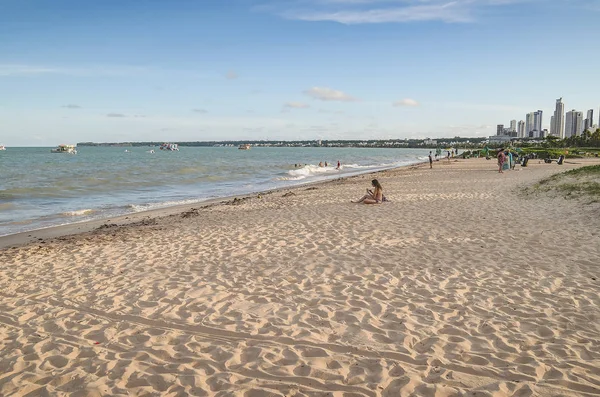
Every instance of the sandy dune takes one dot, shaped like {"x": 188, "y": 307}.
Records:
{"x": 459, "y": 286}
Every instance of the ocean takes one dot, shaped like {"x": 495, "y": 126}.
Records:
{"x": 40, "y": 189}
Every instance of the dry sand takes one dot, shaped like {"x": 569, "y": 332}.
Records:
{"x": 459, "y": 286}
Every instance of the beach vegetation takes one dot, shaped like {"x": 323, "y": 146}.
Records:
{"x": 581, "y": 182}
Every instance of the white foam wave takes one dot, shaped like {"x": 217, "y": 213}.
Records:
{"x": 86, "y": 211}
{"x": 308, "y": 171}
{"x": 153, "y": 206}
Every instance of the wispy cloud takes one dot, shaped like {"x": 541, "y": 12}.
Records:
{"x": 296, "y": 105}
{"x": 328, "y": 94}
{"x": 33, "y": 70}
{"x": 71, "y": 106}
{"x": 231, "y": 75}
{"x": 327, "y": 111}
{"x": 116, "y": 115}
{"x": 385, "y": 11}
{"x": 406, "y": 102}
{"x": 202, "y": 111}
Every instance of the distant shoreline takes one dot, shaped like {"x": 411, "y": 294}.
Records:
{"x": 460, "y": 143}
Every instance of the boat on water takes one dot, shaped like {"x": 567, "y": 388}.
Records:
{"x": 245, "y": 146}
{"x": 69, "y": 149}
{"x": 173, "y": 147}
{"x": 2, "y": 147}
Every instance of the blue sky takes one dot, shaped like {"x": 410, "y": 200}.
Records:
{"x": 105, "y": 71}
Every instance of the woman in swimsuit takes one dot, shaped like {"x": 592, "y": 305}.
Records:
{"x": 372, "y": 196}
{"x": 501, "y": 160}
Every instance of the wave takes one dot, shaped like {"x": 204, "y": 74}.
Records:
{"x": 308, "y": 171}
{"x": 164, "y": 204}
{"x": 86, "y": 211}
{"x": 311, "y": 170}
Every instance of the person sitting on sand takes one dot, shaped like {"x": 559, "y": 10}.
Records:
{"x": 372, "y": 196}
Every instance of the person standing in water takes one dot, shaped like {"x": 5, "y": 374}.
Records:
{"x": 339, "y": 165}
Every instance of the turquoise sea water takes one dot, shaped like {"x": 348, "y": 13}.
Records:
{"x": 41, "y": 189}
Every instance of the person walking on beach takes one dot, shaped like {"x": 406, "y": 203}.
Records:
{"x": 372, "y": 196}
{"x": 501, "y": 160}
{"x": 430, "y": 160}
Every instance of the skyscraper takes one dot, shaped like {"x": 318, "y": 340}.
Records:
{"x": 537, "y": 123}
{"x": 558, "y": 126}
{"x": 573, "y": 123}
{"x": 513, "y": 126}
{"x": 521, "y": 129}
{"x": 528, "y": 124}
{"x": 589, "y": 121}
{"x": 500, "y": 129}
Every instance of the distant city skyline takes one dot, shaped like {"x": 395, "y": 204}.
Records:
{"x": 562, "y": 124}
{"x": 183, "y": 70}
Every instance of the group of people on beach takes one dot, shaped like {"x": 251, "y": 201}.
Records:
{"x": 449, "y": 154}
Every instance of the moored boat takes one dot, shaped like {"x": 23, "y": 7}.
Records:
{"x": 245, "y": 146}
{"x": 173, "y": 147}
{"x": 69, "y": 149}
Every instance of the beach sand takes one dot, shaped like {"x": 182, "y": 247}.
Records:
{"x": 461, "y": 285}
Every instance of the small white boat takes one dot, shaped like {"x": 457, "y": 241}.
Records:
{"x": 69, "y": 149}
{"x": 173, "y": 147}
{"x": 151, "y": 151}
{"x": 245, "y": 146}
{"x": 2, "y": 147}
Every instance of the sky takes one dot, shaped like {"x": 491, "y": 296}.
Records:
{"x": 194, "y": 70}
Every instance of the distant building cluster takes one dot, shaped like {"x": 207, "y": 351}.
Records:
{"x": 562, "y": 125}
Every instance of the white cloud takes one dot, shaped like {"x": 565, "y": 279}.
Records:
{"x": 72, "y": 106}
{"x": 296, "y": 105}
{"x": 231, "y": 75}
{"x": 116, "y": 115}
{"x": 328, "y": 94}
{"x": 442, "y": 12}
{"x": 406, "y": 102}
{"x": 203, "y": 111}
{"x": 385, "y": 11}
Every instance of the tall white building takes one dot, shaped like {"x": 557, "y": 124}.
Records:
{"x": 513, "y": 126}
{"x": 537, "y": 123}
{"x": 557, "y": 128}
{"x": 573, "y": 123}
{"x": 528, "y": 124}
{"x": 589, "y": 120}
{"x": 521, "y": 129}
